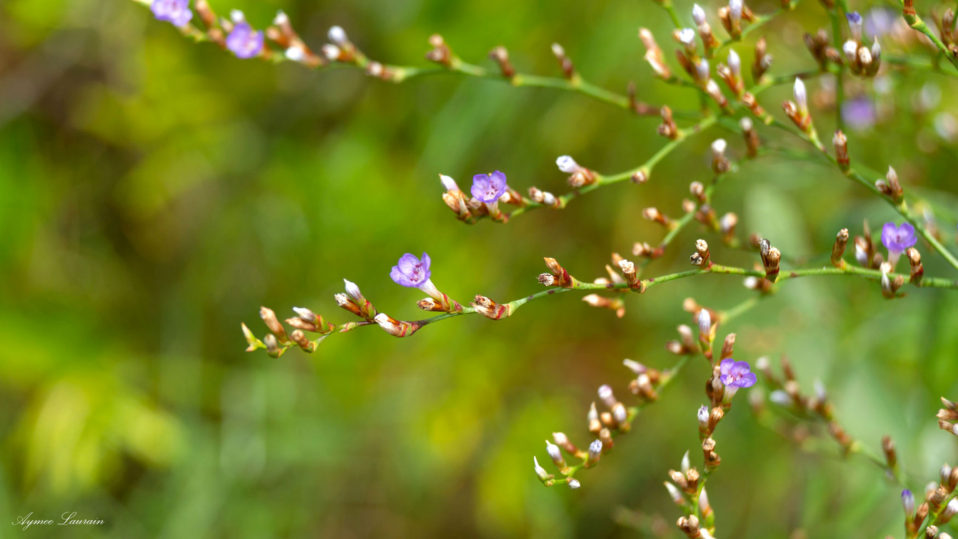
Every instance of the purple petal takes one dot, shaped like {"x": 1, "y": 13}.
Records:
{"x": 748, "y": 380}
{"x": 725, "y": 366}
{"x": 408, "y": 264}
{"x": 425, "y": 262}
{"x": 398, "y": 277}
{"x": 740, "y": 368}
{"x": 498, "y": 180}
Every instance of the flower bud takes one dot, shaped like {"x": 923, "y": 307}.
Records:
{"x": 540, "y": 471}
{"x": 595, "y": 451}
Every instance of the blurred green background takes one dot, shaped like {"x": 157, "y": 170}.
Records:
{"x": 154, "y": 193}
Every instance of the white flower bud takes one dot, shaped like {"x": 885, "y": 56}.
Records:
{"x": 553, "y": 451}
{"x": 745, "y": 123}
{"x": 606, "y": 396}
{"x": 295, "y": 53}
{"x": 558, "y": 50}
{"x": 567, "y": 164}
{"x": 595, "y": 449}
{"x": 634, "y": 366}
{"x": 337, "y": 35}
{"x": 281, "y": 19}
{"x": 574, "y": 484}
{"x": 735, "y": 9}
{"x": 353, "y": 290}
{"x": 448, "y": 183}
{"x": 686, "y": 463}
{"x": 343, "y": 299}
{"x": 876, "y": 49}
{"x": 698, "y": 14}
{"x": 850, "y": 48}
{"x": 674, "y": 493}
{"x": 331, "y": 52}
{"x": 762, "y": 363}
{"x": 734, "y": 63}
{"x": 801, "y": 98}
{"x": 703, "y": 415}
{"x": 705, "y": 322}
{"x": 540, "y": 471}
{"x": 718, "y": 146}
{"x": 864, "y": 56}
{"x": 305, "y": 314}
{"x": 237, "y": 16}
{"x": 560, "y": 438}
{"x": 686, "y": 36}
{"x": 702, "y": 69}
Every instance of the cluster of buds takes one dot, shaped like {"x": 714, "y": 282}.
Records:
{"x": 861, "y": 59}
{"x": 771, "y": 257}
{"x": 732, "y": 16}
{"x": 787, "y": 393}
{"x": 614, "y": 419}
{"x": 295, "y": 49}
{"x": 653, "y": 54}
{"x": 686, "y": 489}
{"x": 821, "y": 49}
{"x": 667, "y": 128}
{"x": 948, "y": 416}
{"x": 686, "y": 343}
{"x": 720, "y": 162}
{"x": 440, "y": 52}
{"x": 731, "y": 74}
{"x": 866, "y": 252}
{"x": 701, "y": 255}
{"x": 544, "y": 197}
{"x": 501, "y": 56}
{"x": 579, "y": 176}
{"x": 797, "y": 110}
{"x": 490, "y": 309}
{"x": 487, "y": 190}
{"x": 938, "y": 507}
{"x": 761, "y": 63}
{"x": 890, "y": 186}
{"x": 557, "y": 276}
{"x": 890, "y": 284}
{"x": 947, "y": 30}
{"x": 278, "y": 340}
{"x": 341, "y": 49}
{"x": 565, "y": 63}
{"x": 630, "y": 275}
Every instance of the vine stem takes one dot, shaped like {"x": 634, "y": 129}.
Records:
{"x": 916, "y": 22}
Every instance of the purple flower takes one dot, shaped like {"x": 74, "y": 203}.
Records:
{"x": 243, "y": 41}
{"x": 411, "y": 271}
{"x": 176, "y": 12}
{"x": 898, "y": 238}
{"x": 489, "y": 187}
{"x": 736, "y": 373}
{"x": 859, "y": 113}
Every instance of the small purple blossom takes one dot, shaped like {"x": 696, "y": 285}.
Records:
{"x": 243, "y": 41}
{"x": 411, "y": 271}
{"x": 736, "y": 373}
{"x": 489, "y": 187}
{"x": 898, "y": 238}
{"x": 176, "y": 12}
{"x": 859, "y": 113}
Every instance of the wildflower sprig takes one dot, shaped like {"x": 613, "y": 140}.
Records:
{"x": 788, "y": 401}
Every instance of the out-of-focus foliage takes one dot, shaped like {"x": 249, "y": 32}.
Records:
{"x": 155, "y": 192}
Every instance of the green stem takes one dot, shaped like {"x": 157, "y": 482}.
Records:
{"x": 913, "y": 20}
